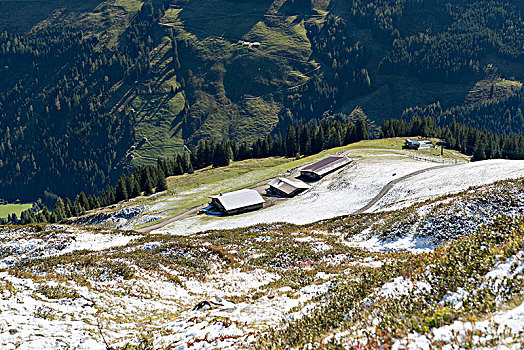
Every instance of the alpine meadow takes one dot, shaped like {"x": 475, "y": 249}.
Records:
{"x": 261, "y": 174}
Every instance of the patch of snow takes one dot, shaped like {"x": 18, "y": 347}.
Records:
{"x": 448, "y": 180}
{"x": 320, "y": 246}
{"x": 23, "y": 244}
{"x": 484, "y": 331}
{"x": 401, "y": 286}
{"x": 408, "y": 242}
{"x": 337, "y": 194}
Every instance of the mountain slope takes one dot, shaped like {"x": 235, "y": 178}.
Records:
{"x": 87, "y": 81}
{"x": 355, "y": 280}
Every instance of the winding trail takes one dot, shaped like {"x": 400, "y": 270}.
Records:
{"x": 390, "y": 185}
{"x": 294, "y": 173}
{"x": 173, "y": 219}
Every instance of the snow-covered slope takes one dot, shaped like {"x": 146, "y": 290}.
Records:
{"x": 432, "y": 265}
{"x": 351, "y": 189}
{"x": 449, "y": 180}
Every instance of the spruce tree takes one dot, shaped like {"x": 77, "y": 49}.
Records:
{"x": 46, "y": 214}
{"x": 161, "y": 184}
{"x": 121, "y": 190}
{"x": 362, "y": 130}
{"x": 59, "y": 210}
{"x": 148, "y": 186}
{"x": 68, "y": 208}
{"x": 291, "y": 139}
{"x": 82, "y": 200}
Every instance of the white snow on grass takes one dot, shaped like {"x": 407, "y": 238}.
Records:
{"x": 449, "y": 180}
{"x": 340, "y": 193}
{"x": 409, "y": 242}
{"x": 402, "y": 287}
{"x": 507, "y": 326}
{"x": 97, "y": 241}
{"x": 17, "y": 245}
{"x": 29, "y": 322}
{"x": 350, "y": 189}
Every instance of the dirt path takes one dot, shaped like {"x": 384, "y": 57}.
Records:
{"x": 292, "y": 175}
{"x": 173, "y": 219}
{"x": 390, "y": 184}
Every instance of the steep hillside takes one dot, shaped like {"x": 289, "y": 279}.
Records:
{"x": 93, "y": 88}
{"x": 429, "y": 275}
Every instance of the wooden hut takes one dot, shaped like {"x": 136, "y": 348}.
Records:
{"x": 323, "y": 167}
{"x": 237, "y": 201}
{"x": 287, "y": 188}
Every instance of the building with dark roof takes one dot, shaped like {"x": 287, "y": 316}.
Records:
{"x": 416, "y": 144}
{"x": 287, "y": 188}
{"x": 323, "y": 167}
{"x": 237, "y": 201}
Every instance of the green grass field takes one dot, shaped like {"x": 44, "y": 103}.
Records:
{"x": 8, "y": 209}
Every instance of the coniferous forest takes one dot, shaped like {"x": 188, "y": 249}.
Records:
{"x": 68, "y": 99}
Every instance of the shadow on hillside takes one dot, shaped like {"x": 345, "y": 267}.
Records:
{"x": 227, "y": 19}
{"x": 22, "y": 16}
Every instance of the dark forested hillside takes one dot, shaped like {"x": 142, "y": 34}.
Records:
{"x": 93, "y": 89}
{"x": 57, "y": 133}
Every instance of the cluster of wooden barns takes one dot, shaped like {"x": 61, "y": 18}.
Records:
{"x": 247, "y": 199}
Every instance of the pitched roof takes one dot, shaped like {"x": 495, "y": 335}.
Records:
{"x": 288, "y": 186}
{"x": 326, "y": 165}
{"x": 239, "y": 199}
{"x": 412, "y": 141}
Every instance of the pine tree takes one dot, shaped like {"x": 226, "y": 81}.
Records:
{"x": 362, "y": 132}
{"x": 278, "y": 146}
{"x": 84, "y": 203}
{"x": 121, "y": 190}
{"x": 46, "y": 214}
{"x": 291, "y": 139}
{"x": 161, "y": 184}
{"x": 479, "y": 153}
{"x": 59, "y": 210}
{"x": 221, "y": 155}
{"x": 68, "y": 208}
{"x": 148, "y": 185}
{"x": 136, "y": 187}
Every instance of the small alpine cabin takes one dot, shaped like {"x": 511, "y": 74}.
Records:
{"x": 237, "y": 202}
{"x": 283, "y": 187}
{"x": 323, "y": 167}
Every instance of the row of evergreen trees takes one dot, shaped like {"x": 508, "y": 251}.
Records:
{"x": 479, "y": 144}
{"x": 300, "y": 140}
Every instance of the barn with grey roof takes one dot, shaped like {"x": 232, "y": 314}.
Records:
{"x": 237, "y": 201}
{"x": 286, "y": 187}
{"x": 323, "y": 167}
